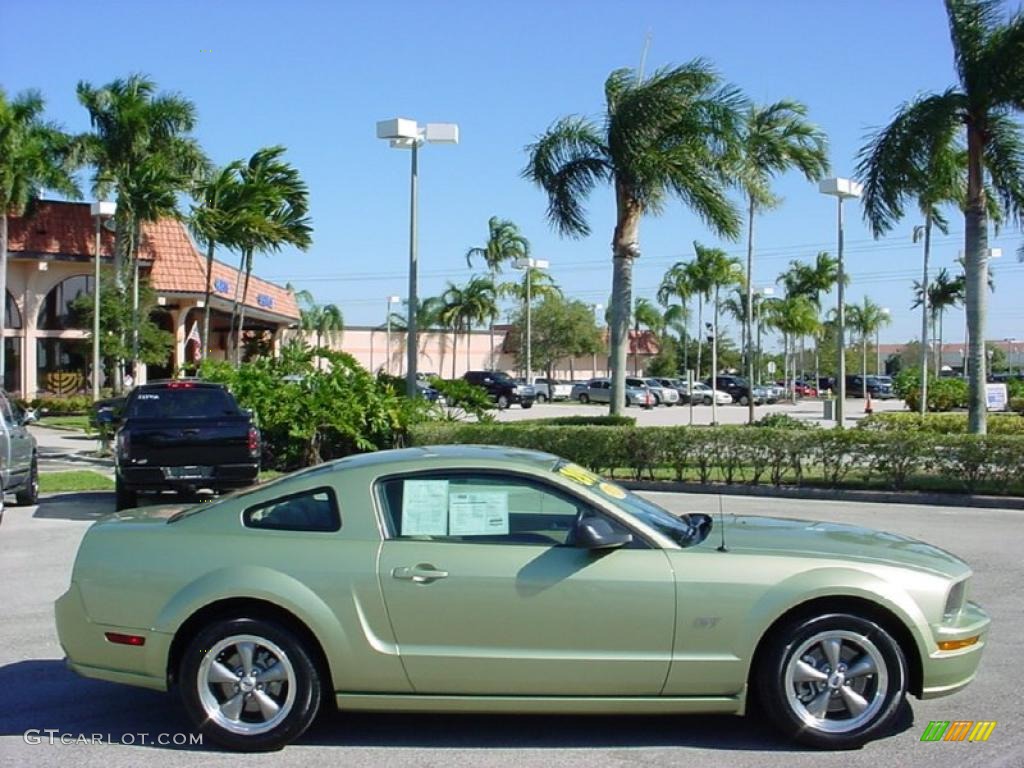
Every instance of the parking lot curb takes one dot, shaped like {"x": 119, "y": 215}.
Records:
{"x": 830, "y": 494}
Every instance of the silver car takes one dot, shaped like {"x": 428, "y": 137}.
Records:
{"x": 664, "y": 395}
{"x": 20, "y": 465}
{"x": 600, "y": 391}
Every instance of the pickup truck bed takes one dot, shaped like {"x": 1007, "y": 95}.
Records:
{"x": 184, "y": 436}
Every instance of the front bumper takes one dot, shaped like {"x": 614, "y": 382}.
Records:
{"x": 946, "y": 672}
{"x": 90, "y": 654}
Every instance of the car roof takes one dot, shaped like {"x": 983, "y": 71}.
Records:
{"x": 439, "y": 456}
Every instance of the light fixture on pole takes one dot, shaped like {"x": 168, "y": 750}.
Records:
{"x": 841, "y": 189}
{"x": 387, "y": 361}
{"x": 528, "y": 264}
{"x": 100, "y": 210}
{"x": 403, "y": 133}
{"x": 885, "y": 312}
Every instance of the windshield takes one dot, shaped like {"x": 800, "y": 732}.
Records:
{"x": 182, "y": 403}
{"x": 502, "y": 378}
{"x": 686, "y": 531}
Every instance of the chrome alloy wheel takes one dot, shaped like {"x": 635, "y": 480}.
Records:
{"x": 836, "y": 681}
{"x": 246, "y": 684}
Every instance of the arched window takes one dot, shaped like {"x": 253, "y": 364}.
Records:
{"x": 13, "y": 316}
{"x": 57, "y": 312}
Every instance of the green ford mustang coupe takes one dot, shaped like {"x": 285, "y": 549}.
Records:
{"x": 489, "y": 579}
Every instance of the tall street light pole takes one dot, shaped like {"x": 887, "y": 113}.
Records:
{"x": 100, "y": 211}
{"x": 597, "y": 315}
{"x": 756, "y": 313}
{"x": 387, "y": 360}
{"x": 529, "y": 264}
{"x": 403, "y": 133}
{"x": 841, "y": 189}
{"x": 878, "y": 341}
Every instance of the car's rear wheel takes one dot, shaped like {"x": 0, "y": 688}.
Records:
{"x": 502, "y": 402}
{"x": 585, "y": 398}
{"x": 527, "y": 404}
{"x": 541, "y": 398}
{"x": 249, "y": 685}
{"x": 834, "y": 681}
{"x": 744, "y": 400}
{"x": 707, "y": 401}
{"x": 29, "y": 494}
{"x": 126, "y": 498}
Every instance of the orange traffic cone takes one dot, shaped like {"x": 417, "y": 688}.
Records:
{"x": 867, "y": 406}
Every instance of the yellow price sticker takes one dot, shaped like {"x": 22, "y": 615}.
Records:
{"x": 578, "y": 474}
{"x": 612, "y": 490}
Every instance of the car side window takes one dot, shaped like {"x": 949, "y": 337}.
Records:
{"x": 312, "y": 510}
{"x": 6, "y": 413}
{"x": 479, "y": 509}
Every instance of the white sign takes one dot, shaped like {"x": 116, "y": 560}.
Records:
{"x": 424, "y": 508}
{"x": 771, "y": 367}
{"x": 477, "y": 513}
{"x": 996, "y": 398}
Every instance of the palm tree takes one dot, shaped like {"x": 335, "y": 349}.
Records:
{"x": 542, "y": 286}
{"x": 476, "y": 302}
{"x": 776, "y": 138}
{"x": 34, "y": 154}
{"x": 277, "y": 206}
{"x": 645, "y": 315}
{"x": 676, "y": 284}
{"x": 675, "y": 133}
{"x": 504, "y": 244}
{"x": 866, "y": 319}
{"x": 325, "y": 320}
{"x": 713, "y": 270}
{"x": 942, "y": 293}
{"x": 735, "y": 306}
{"x": 794, "y": 317}
{"x": 142, "y": 152}
{"x": 218, "y": 217}
{"x": 675, "y": 318}
{"x": 979, "y": 108}
{"x": 813, "y": 281}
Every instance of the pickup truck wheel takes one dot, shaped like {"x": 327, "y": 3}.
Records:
{"x": 541, "y": 398}
{"x": 584, "y": 398}
{"x": 30, "y": 493}
{"x": 249, "y": 685}
{"x": 502, "y": 402}
{"x": 125, "y": 497}
{"x": 526, "y": 404}
{"x": 834, "y": 681}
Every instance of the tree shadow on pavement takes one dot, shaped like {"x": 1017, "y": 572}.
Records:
{"x": 85, "y": 505}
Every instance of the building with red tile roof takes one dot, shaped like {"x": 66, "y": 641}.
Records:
{"x": 51, "y": 255}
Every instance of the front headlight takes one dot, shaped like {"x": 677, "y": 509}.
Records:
{"x": 955, "y": 601}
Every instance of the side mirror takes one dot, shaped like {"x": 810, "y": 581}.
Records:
{"x": 29, "y": 416}
{"x": 105, "y": 416}
{"x": 594, "y": 532}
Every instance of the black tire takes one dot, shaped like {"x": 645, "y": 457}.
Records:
{"x": 502, "y": 402}
{"x": 527, "y": 405}
{"x": 29, "y": 494}
{"x": 297, "y": 696}
{"x": 744, "y": 400}
{"x": 585, "y": 398}
{"x": 707, "y": 401}
{"x": 126, "y": 498}
{"x": 542, "y": 398}
{"x": 792, "y": 704}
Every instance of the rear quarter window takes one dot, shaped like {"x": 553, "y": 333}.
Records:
{"x": 313, "y": 510}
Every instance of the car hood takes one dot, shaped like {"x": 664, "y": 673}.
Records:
{"x": 808, "y": 538}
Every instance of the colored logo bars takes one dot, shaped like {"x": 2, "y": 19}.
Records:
{"x": 958, "y": 730}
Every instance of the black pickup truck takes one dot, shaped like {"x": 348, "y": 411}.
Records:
{"x": 183, "y": 436}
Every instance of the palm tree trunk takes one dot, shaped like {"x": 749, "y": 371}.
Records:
{"x": 455, "y": 347}
{"x": 136, "y": 320}
{"x": 938, "y": 354}
{"x": 625, "y": 248}
{"x": 923, "y": 405}
{"x": 700, "y": 331}
{"x": 469, "y": 345}
{"x": 3, "y": 297}
{"x": 234, "y": 310}
{"x": 206, "y": 301}
{"x": 976, "y": 278}
{"x": 864, "y": 366}
{"x": 748, "y": 350}
{"x": 241, "y": 309}
{"x": 494, "y": 277}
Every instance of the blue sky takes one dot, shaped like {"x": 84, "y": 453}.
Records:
{"x": 316, "y": 76}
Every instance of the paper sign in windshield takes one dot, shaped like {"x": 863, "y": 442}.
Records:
{"x": 477, "y": 513}
{"x": 425, "y": 508}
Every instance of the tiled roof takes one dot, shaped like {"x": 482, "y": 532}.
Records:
{"x": 67, "y": 229}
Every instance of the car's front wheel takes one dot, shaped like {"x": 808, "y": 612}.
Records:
{"x": 834, "y": 681}
{"x": 125, "y": 497}
{"x": 585, "y": 398}
{"x": 29, "y": 494}
{"x": 249, "y": 685}
{"x": 502, "y": 402}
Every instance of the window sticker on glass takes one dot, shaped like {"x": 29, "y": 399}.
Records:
{"x": 578, "y": 474}
{"x": 612, "y": 490}
{"x": 424, "y": 508}
{"x": 478, "y": 513}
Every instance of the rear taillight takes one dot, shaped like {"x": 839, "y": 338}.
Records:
{"x": 254, "y": 442}
{"x": 180, "y": 385}
{"x": 123, "y": 444}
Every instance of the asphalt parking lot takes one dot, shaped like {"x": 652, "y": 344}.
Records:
{"x": 37, "y": 547}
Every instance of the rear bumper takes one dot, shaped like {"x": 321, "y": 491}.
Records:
{"x": 946, "y": 672}
{"x": 155, "y": 479}
{"x": 90, "y": 654}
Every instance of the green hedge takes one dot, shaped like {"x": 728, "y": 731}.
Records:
{"x": 764, "y": 455}
{"x": 58, "y": 406}
{"x": 580, "y": 421}
{"x": 941, "y": 423}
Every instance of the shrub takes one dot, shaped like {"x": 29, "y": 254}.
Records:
{"x": 1017, "y": 405}
{"x": 940, "y": 423}
{"x": 58, "y": 405}
{"x": 580, "y": 421}
{"x": 782, "y": 421}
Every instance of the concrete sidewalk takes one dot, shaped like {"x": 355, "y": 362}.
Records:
{"x": 67, "y": 445}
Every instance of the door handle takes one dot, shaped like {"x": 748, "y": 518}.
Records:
{"x": 424, "y": 573}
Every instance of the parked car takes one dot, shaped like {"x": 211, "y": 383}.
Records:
{"x": 183, "y": 435}
{"x": 476, "y": 576}
{"x": 805, "y": 388}
{"x": 680, "y": 387}
{"x": 765, "y": 395}
{"x": 502, "y": 389}
{"x": 664, "y": 395}
{"x": 706, "y": 393}
{"x": 600, "y": 391}
{"x": 737, "y": 387}
{"x": 19, "y": 459}
{"x": 551, "y": 389}
{"x": 878, "y": 390}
